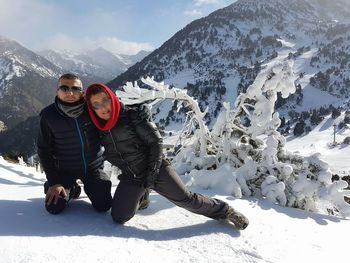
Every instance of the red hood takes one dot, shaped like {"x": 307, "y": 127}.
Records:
{"x": 115, "y": 105}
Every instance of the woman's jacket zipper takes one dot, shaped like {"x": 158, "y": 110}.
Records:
{"x": 120, "y": 155}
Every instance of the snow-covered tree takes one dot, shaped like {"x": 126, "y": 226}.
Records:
{"x": 133, "y": 94}
{"x": 2, "y": 126}
{"x": 244, "y": 154}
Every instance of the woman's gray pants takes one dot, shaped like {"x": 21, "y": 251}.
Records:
{"x": 127, "y": 196}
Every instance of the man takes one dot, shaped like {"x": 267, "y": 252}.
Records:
{"x": 69, "y": 149}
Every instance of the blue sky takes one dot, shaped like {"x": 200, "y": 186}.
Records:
{"x": 124, "y": 27}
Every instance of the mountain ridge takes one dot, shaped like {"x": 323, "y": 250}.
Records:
{"x": 218, "y": 56}
{"x": 97, "y": 62}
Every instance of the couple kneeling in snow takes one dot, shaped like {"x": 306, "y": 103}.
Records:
{"x": 72, "y": 130}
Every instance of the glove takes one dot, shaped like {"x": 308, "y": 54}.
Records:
{"x": 145, "y": 112}
{"x": 151, "y": 178}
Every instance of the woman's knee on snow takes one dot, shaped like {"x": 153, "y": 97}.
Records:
{"x": 121, "y": 218}
{"x": 102, "y": 205}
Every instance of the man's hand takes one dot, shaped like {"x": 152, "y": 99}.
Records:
{"x": 53, "y": 193}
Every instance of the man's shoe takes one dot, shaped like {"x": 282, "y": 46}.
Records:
{"x": 144, "y": 200}
{"x": 238, "y": 219}
{"x": 75, "y": 191}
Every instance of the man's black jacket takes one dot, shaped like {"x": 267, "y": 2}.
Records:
{"x": 68, "y": 147}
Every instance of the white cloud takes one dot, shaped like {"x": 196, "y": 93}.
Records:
{"x": 25, "y": 18}
{"x": 76, "y": 44}
{"x": 193, "y": 12}
{"x": 205, "y": 2}
{"x": 118, "y": 46}
{"x": 199, "y": 8}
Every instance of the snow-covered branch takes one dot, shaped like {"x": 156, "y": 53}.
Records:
{"x": 133, "y": 94}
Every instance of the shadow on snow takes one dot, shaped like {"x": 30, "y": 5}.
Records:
{"x": 29, "y": 218}
{"x": 34, "y": 181}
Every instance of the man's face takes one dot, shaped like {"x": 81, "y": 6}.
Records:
{"x": 70, "y": 90}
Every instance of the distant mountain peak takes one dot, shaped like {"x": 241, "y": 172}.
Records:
{"x": 25, "y": 81}
{"x": 132, "y": 59}
{"x": 3, "y": 38}
{"x": 101, "y": 49}
{"x": 98, "y": 62}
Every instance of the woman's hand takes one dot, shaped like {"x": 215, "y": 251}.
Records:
{"x": 151, "y": 178}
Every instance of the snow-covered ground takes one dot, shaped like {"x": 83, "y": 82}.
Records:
{"x": 164, "y": 232}
{"x": 319, "y": 140}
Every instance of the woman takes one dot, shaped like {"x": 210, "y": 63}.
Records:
{"x": 134, "y": 145}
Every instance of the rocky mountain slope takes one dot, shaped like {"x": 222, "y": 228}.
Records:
{"x": 218, "y": 56}
{"x": 27, "y": 82}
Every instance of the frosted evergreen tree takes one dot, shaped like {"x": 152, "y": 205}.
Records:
{"x": 249, "y": 158}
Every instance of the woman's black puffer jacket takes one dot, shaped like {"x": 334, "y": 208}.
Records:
{"x": 134, "y": 145}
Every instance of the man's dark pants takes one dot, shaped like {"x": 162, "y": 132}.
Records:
{"x": 98, "y": 190}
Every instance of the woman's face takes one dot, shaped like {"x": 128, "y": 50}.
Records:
{"x": 101, "y": 104}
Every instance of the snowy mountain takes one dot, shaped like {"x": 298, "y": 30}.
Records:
{"x": 217, "y": 57}
{"x": 27, "y": 82}
{"x": 130, "y": 60}
{"x": 98, "y": 62}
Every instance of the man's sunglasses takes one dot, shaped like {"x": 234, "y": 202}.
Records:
{"x": 73, "y": 89}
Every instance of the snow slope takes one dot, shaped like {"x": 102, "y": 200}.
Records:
{"x": 161, "y": 232}
{"x": 318, "y": 141}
